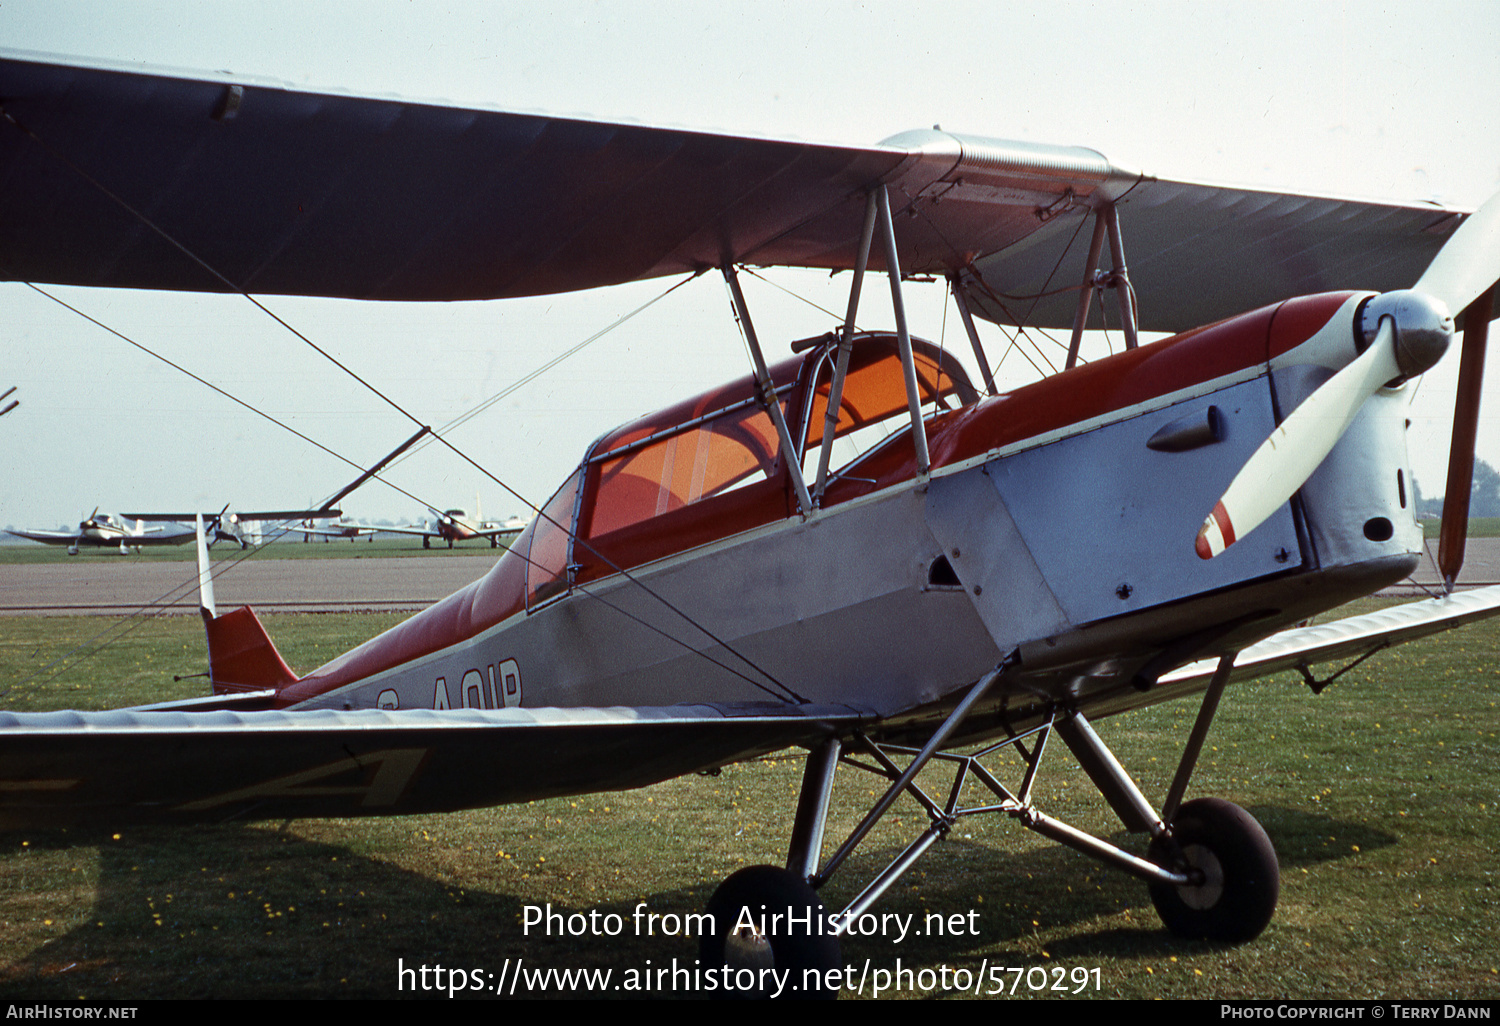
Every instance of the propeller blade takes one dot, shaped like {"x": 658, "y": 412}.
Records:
{"x": 1288, "y": 458}
{"x": 1468, "y": 263}
{"x": 1466, "y": 266}
{"x": 1453, "y": 535}
{"x": 1462, "y": 275}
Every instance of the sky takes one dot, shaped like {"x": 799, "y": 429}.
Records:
{"x": 1381, "y": 100}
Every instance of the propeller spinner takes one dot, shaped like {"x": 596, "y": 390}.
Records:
{"x": 1408, "y": 331}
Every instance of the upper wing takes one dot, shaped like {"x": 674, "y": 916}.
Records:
{"x": 134, "y": 765}
{"x": 1199, "y": 252}
{"x": 284, "y": 514}
{"x": 117, "y": 178}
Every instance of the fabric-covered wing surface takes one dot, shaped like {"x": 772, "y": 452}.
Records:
{"x": 131, "y": 765}
{"x": 1349, "y": 638}
{"x": 66, "y": 767}
{"x": 286, "y": 192}
{"x": 121, "y": 178}
{"x": 1198, "y": 253}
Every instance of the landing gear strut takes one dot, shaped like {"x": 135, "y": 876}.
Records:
{"x": 1210, "y": 867}
{"x": 1237, "y": 880}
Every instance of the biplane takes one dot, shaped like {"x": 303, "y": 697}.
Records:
{"x": 242, "y": 528}
{"x": 858, "y": 549}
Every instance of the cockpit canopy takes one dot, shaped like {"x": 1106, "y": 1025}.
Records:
{"x": 711, "y": 467}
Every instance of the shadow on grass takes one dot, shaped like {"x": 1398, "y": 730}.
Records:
{"x": 1024, "y": 897}
{"x": 240, "y": 912}
{"x": 1308, "y": 839}
{"x": 254, "y": 912}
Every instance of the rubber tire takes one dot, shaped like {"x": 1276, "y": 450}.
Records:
{"x": 1238, "y": 900}
{"x": 765, "y": 890}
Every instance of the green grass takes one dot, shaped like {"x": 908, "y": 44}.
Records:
{"x": 103, "y": 662}
{"x": 1479, "y": 527}
{"x": 1380, "y": 795}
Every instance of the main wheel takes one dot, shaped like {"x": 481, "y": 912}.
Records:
{"x": 1240, "y": 878}
{"x": 768, "y": 928}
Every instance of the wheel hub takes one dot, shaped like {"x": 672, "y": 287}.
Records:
{"x": 747, "y": 948}
{"x": 1209, "y": 888}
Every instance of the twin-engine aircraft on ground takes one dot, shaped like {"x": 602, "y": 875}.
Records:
{"x": 858, "y": 549}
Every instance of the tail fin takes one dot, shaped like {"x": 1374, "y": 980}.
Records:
{"x": 241, "y": 656}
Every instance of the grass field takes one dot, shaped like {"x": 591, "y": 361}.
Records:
{"x": 1479, "y": 527}
{"x": 1380, "y": 795}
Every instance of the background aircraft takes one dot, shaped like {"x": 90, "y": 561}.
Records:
{"x": 450, "y": 525}
{"x": 339, "y": 528}
{"x": 242, "y": 528}
{"x": 108, "y": 530}
{"x": 455, "y": 525}
{"x": 1127, "y": 608}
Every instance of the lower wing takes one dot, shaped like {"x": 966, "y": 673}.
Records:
{"x": 171, "y": 763}
{"x": 138, "y": 765}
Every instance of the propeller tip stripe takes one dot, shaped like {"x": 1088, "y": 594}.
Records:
{"x": 1216, "y": 534}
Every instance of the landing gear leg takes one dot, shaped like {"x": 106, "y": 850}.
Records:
{"x": 744, "y": 937}
{"x": 1238, "y": 881}
{"x": 1210, "y": 867}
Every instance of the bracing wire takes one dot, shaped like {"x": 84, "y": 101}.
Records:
{"x": 532, "y": 375}
{"x": 233, "y": 287}
{"x": 161, "y": 604}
